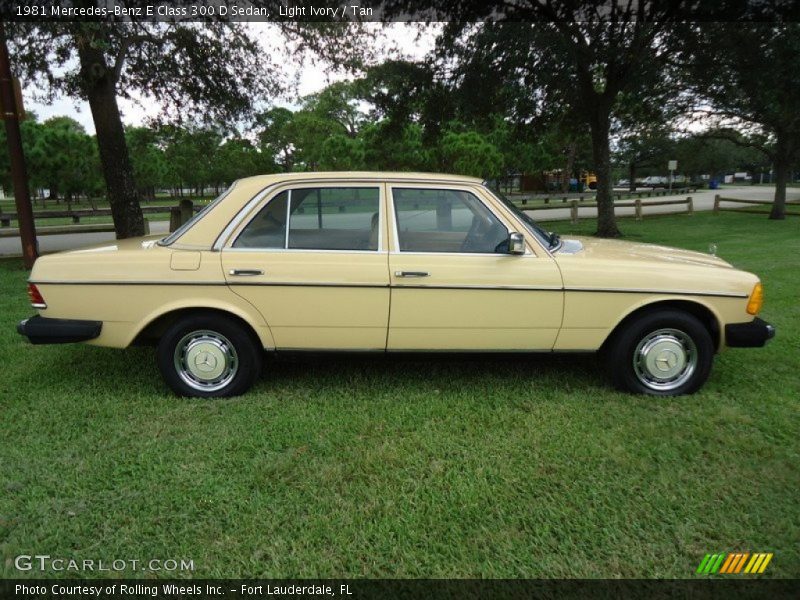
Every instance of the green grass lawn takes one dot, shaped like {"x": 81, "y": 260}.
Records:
{"x": 473, "y": 467}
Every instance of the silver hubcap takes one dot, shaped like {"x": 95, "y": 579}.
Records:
{"x": 665, "y": 359}
{"x": 206, "y": 360}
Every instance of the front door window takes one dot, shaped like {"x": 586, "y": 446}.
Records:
{"x": 446, "y": 221}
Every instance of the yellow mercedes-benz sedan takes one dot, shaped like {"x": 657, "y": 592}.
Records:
{"x": 391, "y": 262}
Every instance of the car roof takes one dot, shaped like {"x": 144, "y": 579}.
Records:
{"x": 370, "y": 175}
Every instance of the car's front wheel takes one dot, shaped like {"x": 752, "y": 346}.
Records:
{"x": 661, "y": 353}
{"x": 208, "y": 356}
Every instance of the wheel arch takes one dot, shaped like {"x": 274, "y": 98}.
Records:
{"x": 705, "y": 314}
{"x": 150, "y": 333}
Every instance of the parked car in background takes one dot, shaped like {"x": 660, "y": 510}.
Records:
{"x": 391, "y": 262}
{"x": 655, "y": 181}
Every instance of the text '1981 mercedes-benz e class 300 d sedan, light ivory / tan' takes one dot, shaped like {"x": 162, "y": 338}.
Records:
{"x": 391, "y": 262}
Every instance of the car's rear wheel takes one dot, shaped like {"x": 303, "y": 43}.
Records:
{"x": 661, "y": 353}
{"x": 208, "y": 356}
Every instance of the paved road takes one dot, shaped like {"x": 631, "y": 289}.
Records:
{"x": 703, "y": 200}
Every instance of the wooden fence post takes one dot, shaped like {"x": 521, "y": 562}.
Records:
{"x": 186, "y": 210}
{"x": 690, "y": 203}
{"x": 716, "y": 204}
{"x": 174, "y": 218}
{"x": 638, "y": 207}
{"x": 573, "y": 211}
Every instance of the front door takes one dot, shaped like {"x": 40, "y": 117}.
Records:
{"x": 313, "y": 261}
{"x": 454, "y": 284}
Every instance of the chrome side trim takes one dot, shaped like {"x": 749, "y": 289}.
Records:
{"x": 407, "y": 286}
{"x": 321, "y": 284}
{"x": 528, "y": 254}
{"x": 663, "y": 292}
{"x": 305, "y": 250}
{"x": 131, "y": 283}
{"x": 522, "y": 288}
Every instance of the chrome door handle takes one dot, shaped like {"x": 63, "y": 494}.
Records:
{"x": 246, "y": 272}
{"x": 411, "y": 274}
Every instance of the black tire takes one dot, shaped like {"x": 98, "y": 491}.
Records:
{"x": 644, "y": 357}
{"x": 226, "y": 358}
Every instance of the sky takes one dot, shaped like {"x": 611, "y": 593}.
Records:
{"x": 311, "y": 76}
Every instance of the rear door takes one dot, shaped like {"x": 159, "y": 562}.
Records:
{"x": 313, "y": 261}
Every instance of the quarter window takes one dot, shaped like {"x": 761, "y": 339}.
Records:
{"x": 446, "y": 221}
{"x": 268, "y": 228}
{"x": 325, "y": 218}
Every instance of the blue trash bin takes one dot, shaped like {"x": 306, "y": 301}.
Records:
{"x": 713, "y": 184}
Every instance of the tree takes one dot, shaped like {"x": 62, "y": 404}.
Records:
{"x": 214, "y": 71}
{"x": 712, "y": 153}
{"x": 469, "y": 153}
{"x": 150, "y": 166}
{"x": 645, "y": 147}
{"x": 396, "y": 147}
{"x": 746, "y": 79}
{"x": 191, "y": 153}
{"x": 236, "y": 158}
{"x": 62, "y": 158}
{"x": 583, "y": 62}
{"x": 342, "y": 153}
{"x": 275, "y": 136}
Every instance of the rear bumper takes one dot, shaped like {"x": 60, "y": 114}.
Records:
{"x": 41, "y": 330}
{"x": 754, "y": 334}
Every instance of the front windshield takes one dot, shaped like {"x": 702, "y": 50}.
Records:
{"x": 166, "y": 241}
{"x": 549, "y": 239}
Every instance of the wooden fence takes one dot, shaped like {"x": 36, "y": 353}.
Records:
{"x": 617, "y": 196}
{"x": 718, "y": 200}
{"x": 638, "y": 206}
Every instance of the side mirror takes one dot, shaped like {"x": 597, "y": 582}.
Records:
{"x": 516, "y": 243}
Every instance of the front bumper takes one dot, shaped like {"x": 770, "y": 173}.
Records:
{"x": 42, "y": 330}
{"x": 754, "y": 334}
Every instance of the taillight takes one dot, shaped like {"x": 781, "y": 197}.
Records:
{"x": 37, "y": 301}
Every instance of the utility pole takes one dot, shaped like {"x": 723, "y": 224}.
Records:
{"x": 11, "y": 113}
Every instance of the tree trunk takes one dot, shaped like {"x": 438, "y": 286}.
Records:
{"x": 632, "y": 177}
{"x": 781, "y": 162}
{"x": 571, "y": 151}
{"x": 100, "y": 88}
{"x": 600, "y": 123}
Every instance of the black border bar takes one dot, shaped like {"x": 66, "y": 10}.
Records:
{"x": 741, "y": 588}
{"x": 120, "y": 11}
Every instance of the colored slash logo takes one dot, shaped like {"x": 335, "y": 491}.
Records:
{"x": 734, "y": 562}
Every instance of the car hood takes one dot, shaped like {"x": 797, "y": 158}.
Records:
{"x": 597, "y": 248}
